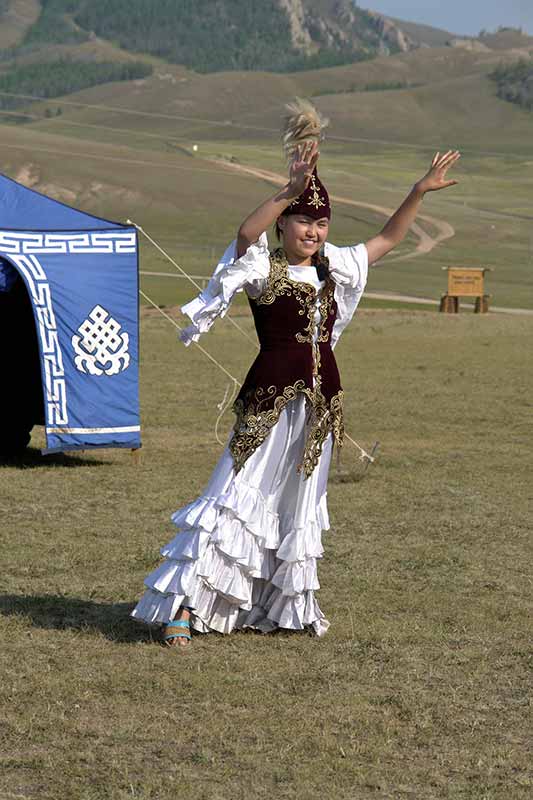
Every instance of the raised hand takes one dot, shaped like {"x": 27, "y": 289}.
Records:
{"x": 301, "y": 167}
{"x": 435, "y": 178}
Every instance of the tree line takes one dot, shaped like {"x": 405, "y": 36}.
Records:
{"x": 515, "y": 82}
{"x": 204, "y": 35}
{"x": 56, "y": 78}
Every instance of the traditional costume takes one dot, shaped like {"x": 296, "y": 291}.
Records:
{"x": 247, "y": 548}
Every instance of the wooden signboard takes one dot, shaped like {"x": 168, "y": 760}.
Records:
{"x": 465, "y": 282}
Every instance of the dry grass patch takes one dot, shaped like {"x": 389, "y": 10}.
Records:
{"x": 422, "y": 687}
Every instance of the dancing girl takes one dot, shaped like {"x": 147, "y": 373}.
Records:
{"x": 246, "y": 551}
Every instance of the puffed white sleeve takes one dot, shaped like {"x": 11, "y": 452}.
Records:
{"x": 348, "y": 267}
{"x": 231, "y": 275}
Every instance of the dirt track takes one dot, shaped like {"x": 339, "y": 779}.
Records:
{"x": 426, "y": 242}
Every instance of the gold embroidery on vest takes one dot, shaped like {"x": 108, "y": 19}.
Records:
{"x": 254, "y": 423}
{"x": 279, "y": 283}
{"x": 324, "y": 420}
{"x": 326, "y": 309}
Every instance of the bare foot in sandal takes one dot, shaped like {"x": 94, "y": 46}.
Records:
{"x": 177, "y": 633}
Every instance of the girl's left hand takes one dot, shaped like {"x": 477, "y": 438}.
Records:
{"x": 436, "y": 176}
{"x": 301, "y": 167}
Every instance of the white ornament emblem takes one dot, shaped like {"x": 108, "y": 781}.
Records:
{"x": 101, "y": 348}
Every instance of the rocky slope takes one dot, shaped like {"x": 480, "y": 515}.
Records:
{"x": 215, "y": 35}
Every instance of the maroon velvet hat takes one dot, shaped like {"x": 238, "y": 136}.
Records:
{"x": 314, "y": 202}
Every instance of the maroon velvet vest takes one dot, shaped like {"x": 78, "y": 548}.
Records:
{"x": 289, "y": 362}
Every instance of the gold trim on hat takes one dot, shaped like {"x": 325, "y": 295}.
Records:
{"x": 316, "y": 200}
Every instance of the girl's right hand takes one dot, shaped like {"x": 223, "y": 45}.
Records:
{"x": 301, "y": 167}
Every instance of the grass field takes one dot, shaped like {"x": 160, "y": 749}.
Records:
{"x": 193, "y": 207}
{"x": 422, "y": 687}
{"x": 488, "y": 211}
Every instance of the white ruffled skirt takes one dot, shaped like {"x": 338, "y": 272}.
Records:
{"x": 247, "y": 548}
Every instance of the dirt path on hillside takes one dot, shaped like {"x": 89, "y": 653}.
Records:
{"x": 426, "y": 243}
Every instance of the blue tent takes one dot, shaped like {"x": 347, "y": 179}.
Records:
{"x": 78, "y": 274}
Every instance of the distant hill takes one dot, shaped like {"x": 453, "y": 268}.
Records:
{"x": 447, "y": 97}
{"x": 506, "y": 38}
{"x": 424, "y": 34}
{"x": 214, "y": 35}
{"x": 58, "y": 47}
{"x": 515, "y": 82}
{"x": 142, "y": 149}
{"x": 16, "y": 16}
{"x": 51, "y": 48}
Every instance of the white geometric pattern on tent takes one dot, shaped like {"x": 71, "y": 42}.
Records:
{"x": 54, "y": 371}
{"x": 15, "y": 243}
{"x": 21, "y": 248}
{"x": 101, "y": 343}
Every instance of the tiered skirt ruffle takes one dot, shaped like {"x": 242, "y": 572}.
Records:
{"x": 246, "y": 551}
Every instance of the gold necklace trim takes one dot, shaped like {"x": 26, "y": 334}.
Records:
{"x": 279, "y": 283}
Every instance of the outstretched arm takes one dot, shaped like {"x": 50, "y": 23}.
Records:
{"x": 398, "y": 225}
{"x": 300, "y": 172}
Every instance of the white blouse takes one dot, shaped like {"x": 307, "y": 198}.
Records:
{"x": 348, "y": 268}
{"x": 309, "y": 275}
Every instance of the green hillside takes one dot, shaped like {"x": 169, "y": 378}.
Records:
{"x": 125, "y": 150}
{"x": 55, "y": 47}
{"x": 450, "y": 99}
{"x": 56, "y": 78}
{"x": 515, "y": 82}
{"x": 203, "y": 34}
{"x": 56, "y": 23}
{"x": 16, "y": 17}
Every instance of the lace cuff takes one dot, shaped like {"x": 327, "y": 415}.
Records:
{"x": 231, "y": 276}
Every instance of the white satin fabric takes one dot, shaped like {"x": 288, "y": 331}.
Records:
{"x": 247, "y": 548}
{"x": 348, "y": 268}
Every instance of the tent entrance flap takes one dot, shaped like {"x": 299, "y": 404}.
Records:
{"x": 21, "y": 398}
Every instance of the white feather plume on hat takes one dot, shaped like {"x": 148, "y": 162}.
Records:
{"x": 303, "y": 123}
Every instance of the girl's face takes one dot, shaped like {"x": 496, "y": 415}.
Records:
{"x": 302, "y": 237}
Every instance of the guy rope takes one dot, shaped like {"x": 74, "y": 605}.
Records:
{"x": 233, "y": 387}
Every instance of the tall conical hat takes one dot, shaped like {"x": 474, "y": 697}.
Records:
{"x": 314, "y": 202}
{"x": 304, "y": 124}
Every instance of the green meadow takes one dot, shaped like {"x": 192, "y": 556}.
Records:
{"x": 422, "y": 687}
